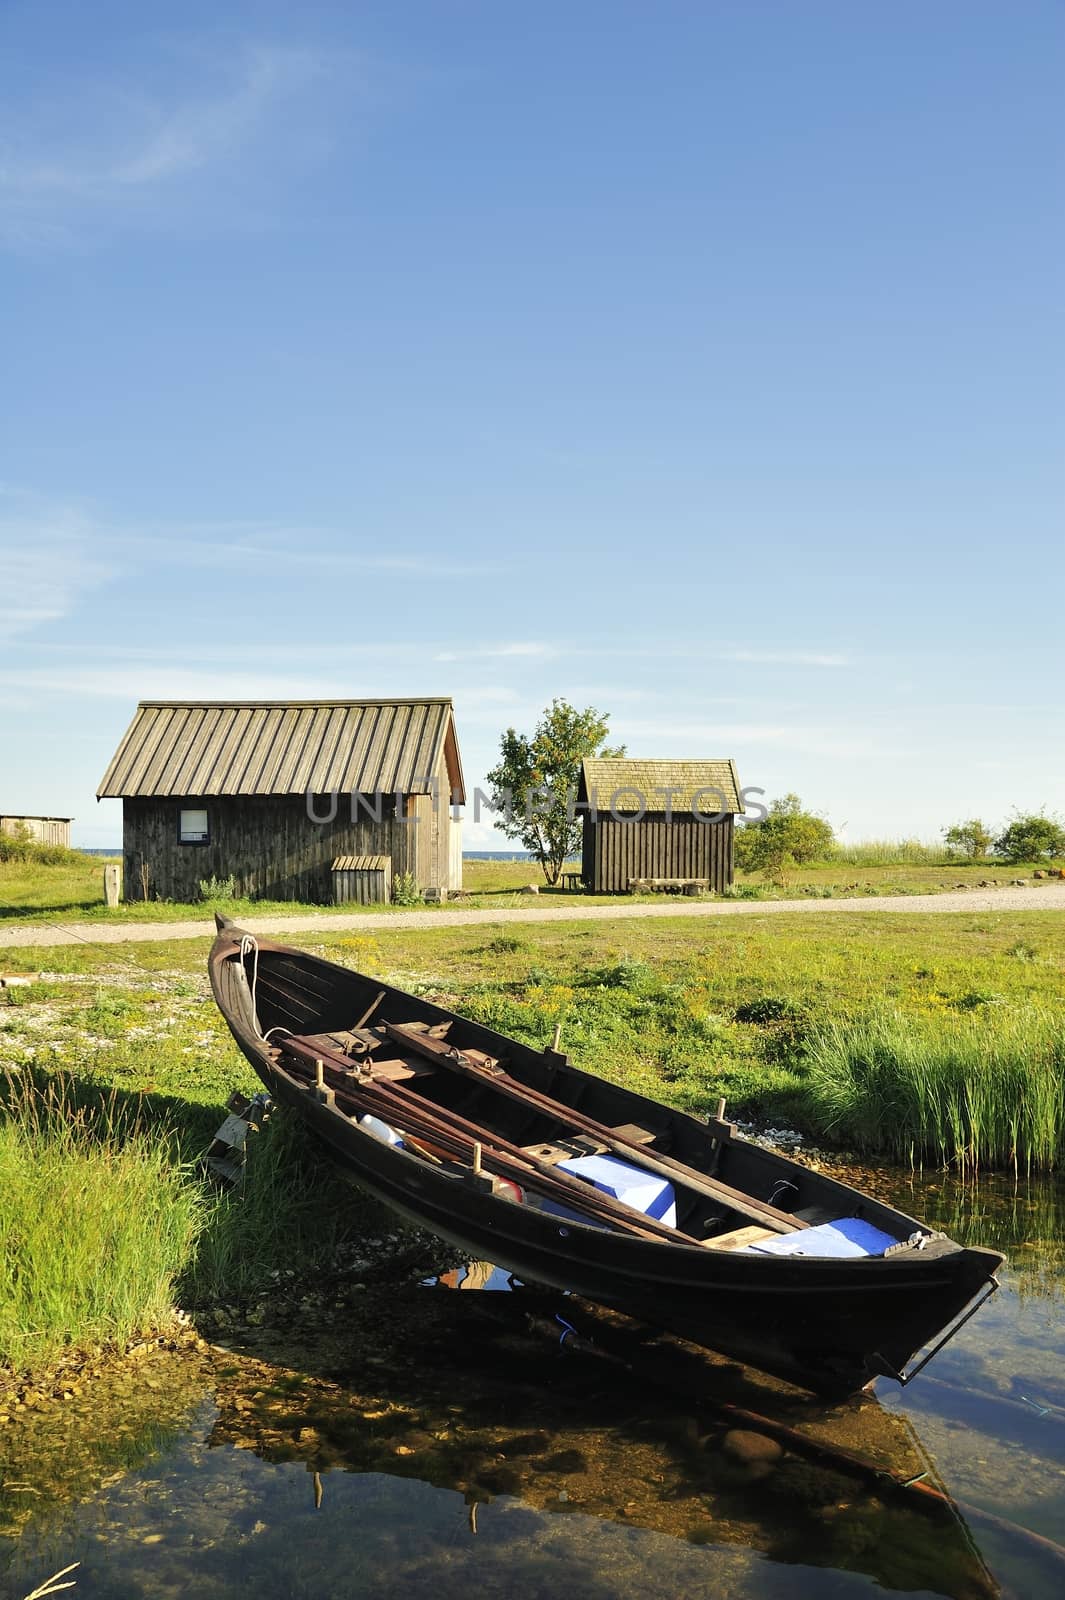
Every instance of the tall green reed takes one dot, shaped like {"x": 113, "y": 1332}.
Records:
{"x": 982, "y": 1089}
{"x": 890, "y": 853}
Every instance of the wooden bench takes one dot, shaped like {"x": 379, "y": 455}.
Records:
{"x": 652, "y": 885}
{"x": 572, "y": 882}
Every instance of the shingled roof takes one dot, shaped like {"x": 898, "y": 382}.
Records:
{"x": 627, "y": 777}
{"x": 278, "y": 747}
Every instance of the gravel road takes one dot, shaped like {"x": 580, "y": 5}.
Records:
{"x": 1040, "y": 897}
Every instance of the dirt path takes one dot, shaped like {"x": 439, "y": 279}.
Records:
{"x": 1044, "y": 897}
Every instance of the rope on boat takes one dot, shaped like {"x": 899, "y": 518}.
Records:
{"x": 249, "y": 946}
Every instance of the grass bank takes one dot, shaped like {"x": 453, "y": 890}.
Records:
{"x": 97, "y": 1221}
{"x": 674, "y": 1007}
{"x": 106, "y": 1222}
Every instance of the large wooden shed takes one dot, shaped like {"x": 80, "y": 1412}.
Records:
{"x": 658, "y": 823}
{"x": 271, "y": 793}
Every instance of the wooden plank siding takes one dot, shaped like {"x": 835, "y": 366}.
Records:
{"x": 615, "y": 851}
{"x": 430, "y": 855}
{"x": 271, "y": 848}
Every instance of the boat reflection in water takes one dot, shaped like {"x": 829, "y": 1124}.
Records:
{"x": 639, "y": 1432}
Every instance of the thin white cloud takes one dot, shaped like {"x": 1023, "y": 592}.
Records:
{"x": 154, "y": 142}
{"x": 296, "y": 548}
{"x": 783, "y": 658}
{"x": 522, "y": 649}
{"x": 54, "y": 553}
{"x": 49, "y": 563}
{"x": 107, "y": 147}
{"x": 669, "y": 736}
{"x": 740, "y": 654}
{"x": 154, "y": 680}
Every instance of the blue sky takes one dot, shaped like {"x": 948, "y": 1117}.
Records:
{"x": 701, "y": 362}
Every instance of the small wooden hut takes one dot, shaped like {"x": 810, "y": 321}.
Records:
{"x": 271, "y": 794}
{"x": 658, "y": 824}
{"x": 42, "y": 830}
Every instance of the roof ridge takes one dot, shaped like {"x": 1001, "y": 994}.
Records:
{"x": 268, "y": 705}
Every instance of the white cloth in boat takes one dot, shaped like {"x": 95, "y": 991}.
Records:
{"x": 849, "y": 1236}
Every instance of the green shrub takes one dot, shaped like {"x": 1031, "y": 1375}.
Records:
{"x": 505, "y": 944}
{"x": 787, "y": 837}
{"x": 213, "y": 889}
{"x": 109, "y": 1012}
{"x": 539, "y": 977}
{"x": 624, "y": 974}
{"x": 1032, "y": 837}
{"x": 972, "y": 838}
{"x": 18, "y": 844}
{"x": 770, "y": 1008}
{"x": 405, "y": 890}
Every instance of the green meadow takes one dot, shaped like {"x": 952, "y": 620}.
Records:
{"x": 919, "y": 1039}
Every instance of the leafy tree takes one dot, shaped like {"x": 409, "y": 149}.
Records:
{"x": 972, "y": 838}
{"x": 534, "y": 784}
{"x": 1031, "y": 837}
{"x": 787, "y": 837}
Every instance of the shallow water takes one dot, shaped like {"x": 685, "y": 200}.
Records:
{"x": 446, "y": 1442}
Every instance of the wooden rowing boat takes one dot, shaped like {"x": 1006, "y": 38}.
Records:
{"x": 516, "y": 1156}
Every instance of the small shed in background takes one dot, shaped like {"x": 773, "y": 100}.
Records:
{"x": 362, "y": 880}
{"x": 44, "y": 830}
{"x": 658, "y": 823}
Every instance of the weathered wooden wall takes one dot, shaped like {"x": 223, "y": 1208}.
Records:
{"x": 272, "y": 849}
{"x": 432, "y": 861}
{"x": 616, "y": 850}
